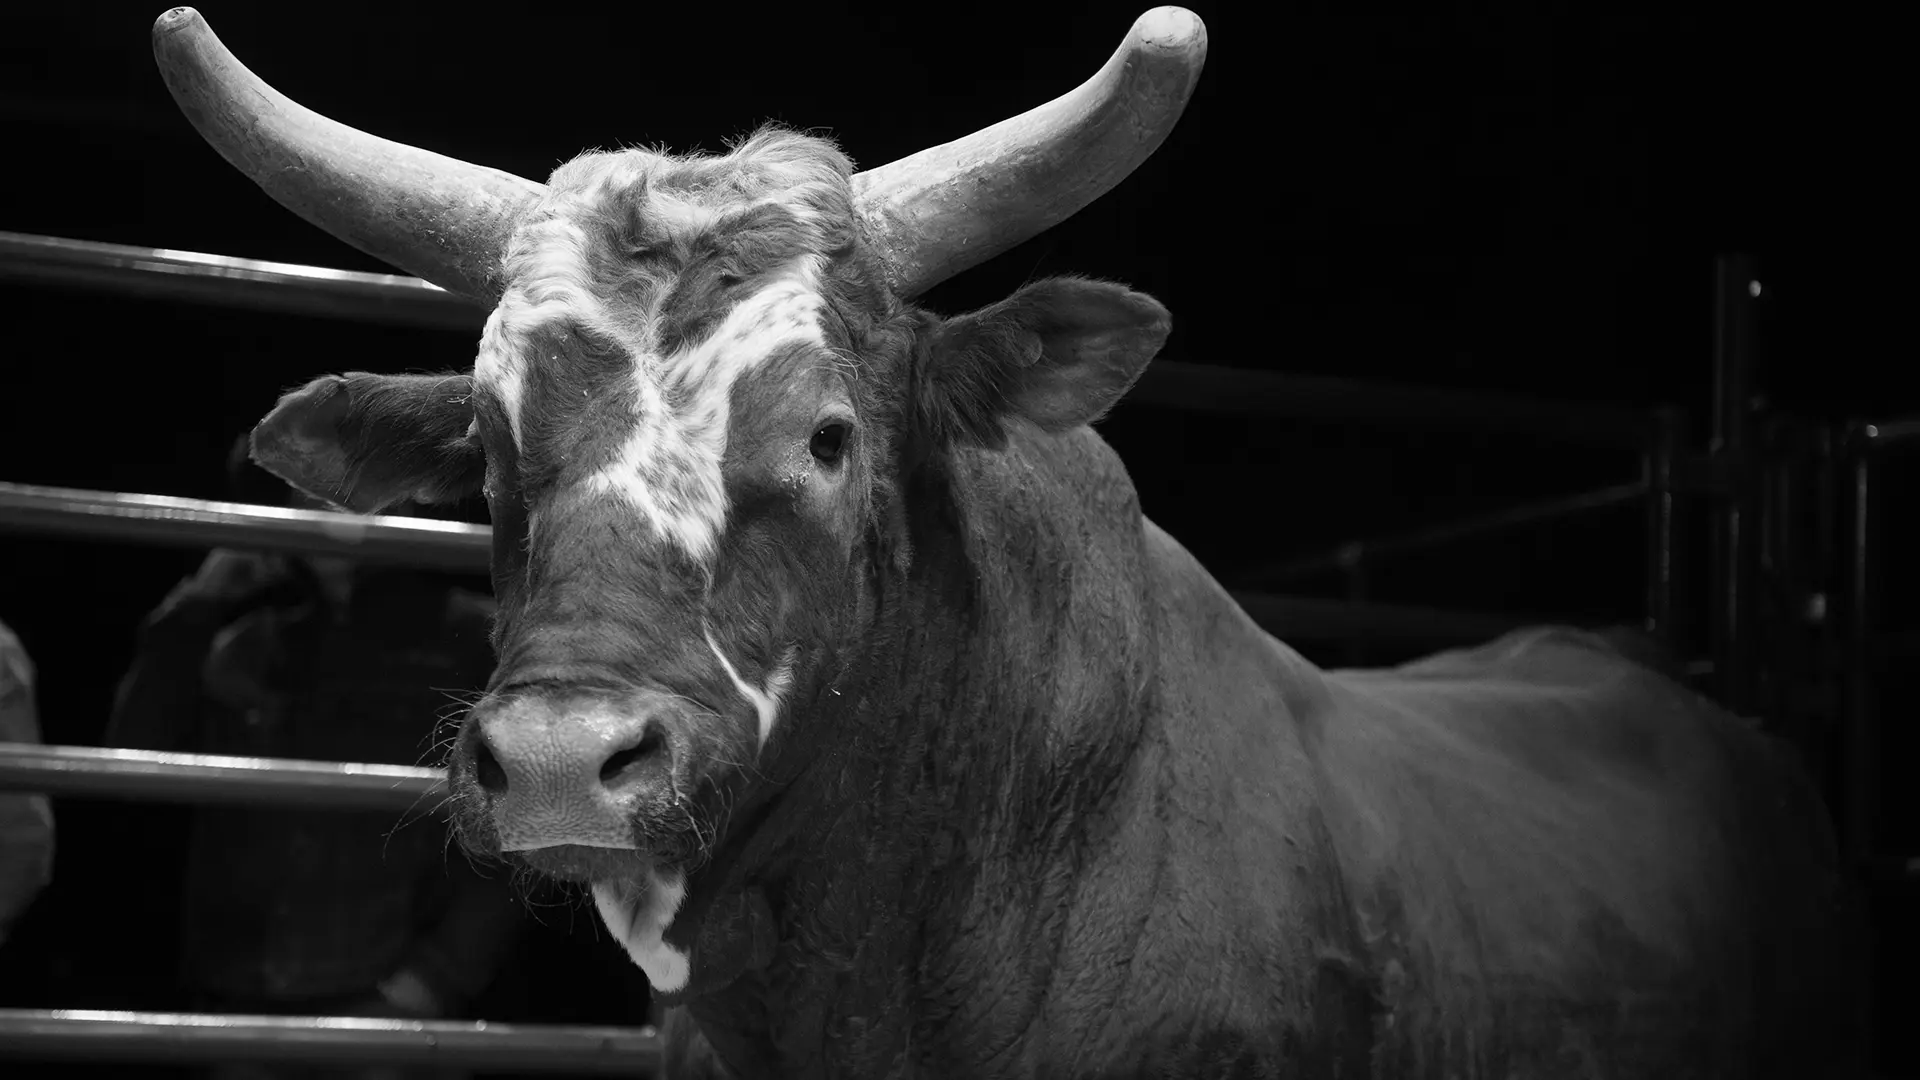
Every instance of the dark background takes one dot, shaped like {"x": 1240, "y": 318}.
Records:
{"x": 1521, "y": 197}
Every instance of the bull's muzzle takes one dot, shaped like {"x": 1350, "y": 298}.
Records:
{"x": 574, "y": 769}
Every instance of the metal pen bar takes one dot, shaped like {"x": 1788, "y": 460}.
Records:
{"x": 1891, "y": 432}
{"x": 270, "y": 286}
{"x": 103, "y": 772}
{"x": 1860, "y": 737}
{"x": 1202, "y": 388}
{"x": 1357, "y": 552}
{"x": 1894, "y": 869}
{"x": 99, "y": 1035}
{"x": 1737, "y": 291}
{"x": 163, "y": 519}
{"x": 146, "y": 775}
{"x": 197, "y": 277}
{"x": 1665, "y": 525}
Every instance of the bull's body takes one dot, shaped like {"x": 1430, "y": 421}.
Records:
{"x": 1116, "y": 829}
{"x": 837, "y": 660}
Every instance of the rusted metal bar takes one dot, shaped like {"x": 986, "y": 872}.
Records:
{"x": 97, "y": 1035}
{"x": 388, "y": 298}
{"x": 1358, "y": 552}
{"x": 147, "y": 775}
{"x": 163, "y": 519}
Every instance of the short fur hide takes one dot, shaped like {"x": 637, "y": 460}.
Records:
{"x": 1040, "y": 799}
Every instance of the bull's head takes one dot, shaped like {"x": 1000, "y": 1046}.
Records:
{"x": 694, "y": 411}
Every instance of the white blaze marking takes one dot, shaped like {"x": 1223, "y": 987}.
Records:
{"x": 639, "y": 922}
{"x": 499, "y": 367}
{"x": 766, "y": 703}
{"x": 550, "y": 286}
{"x": 668, "y": 468}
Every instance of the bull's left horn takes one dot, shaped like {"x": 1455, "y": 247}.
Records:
{"x": 942, "y": 210}
{"x": 441, "y": 218}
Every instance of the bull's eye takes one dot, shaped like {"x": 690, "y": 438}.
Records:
{"x": 828, "y": 442}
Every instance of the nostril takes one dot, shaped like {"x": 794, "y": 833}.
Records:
{"x": 486, "y": 768}
{"x": 650, "y": 744}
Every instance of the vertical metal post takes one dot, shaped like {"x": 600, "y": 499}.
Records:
{"x": 1661, "y": 465}
{"x": 1737, "y": 292}
{"x": 1770, "y": 631}
{"x": 1824, "y": 576}
{"x": 1861, "y": 736}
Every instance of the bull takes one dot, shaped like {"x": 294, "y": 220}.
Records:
{"x": 838, "y": 663}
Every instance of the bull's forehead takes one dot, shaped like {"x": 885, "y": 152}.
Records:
{"x": 572, "y": 274}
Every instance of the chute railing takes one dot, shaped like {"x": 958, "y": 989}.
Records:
{"x": 1870, "y": 647}
{"x": 106, "y": 1035}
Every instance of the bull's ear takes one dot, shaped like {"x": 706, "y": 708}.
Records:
{"x": 366, "y": 441}
{"x": 1059, "y": 352}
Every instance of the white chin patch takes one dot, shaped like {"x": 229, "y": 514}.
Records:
{"x": 638, "y": 916}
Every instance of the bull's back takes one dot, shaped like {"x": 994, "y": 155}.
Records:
{"x": 1567, "y": 864}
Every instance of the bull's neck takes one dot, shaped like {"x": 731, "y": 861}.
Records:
{"x": 1001, "y": 691}
{"x": 1025, "y": 676}
{"x": 992, "y": 717}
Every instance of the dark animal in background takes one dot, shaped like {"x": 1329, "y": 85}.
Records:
{"x": 837, "y": 659}
{"x": 304, "y": 911}
{"x": 26, "y": 818}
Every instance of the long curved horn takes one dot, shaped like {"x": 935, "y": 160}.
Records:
{"x": 441, "y": 218}
{"x": 942, "y": 210}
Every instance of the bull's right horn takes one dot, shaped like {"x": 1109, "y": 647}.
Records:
{"x": 441, "y": 218}
{"x": 935, "y": 213}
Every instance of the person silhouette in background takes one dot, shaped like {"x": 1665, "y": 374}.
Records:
{"x": 26, "y": 818}
{"x": 324, "y": 912}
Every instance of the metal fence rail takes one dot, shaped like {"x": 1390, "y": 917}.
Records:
{"x": 1865, "y": 447}
{"x": 162, "y": 519}
{"x": 197, "y": 277}
{"x": 216, "y": 778}
{"x": 95, "y": 1035}
{"x": 166, "y": 520}
{"x": 1356, "y": 552}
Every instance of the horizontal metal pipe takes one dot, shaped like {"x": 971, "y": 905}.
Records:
{"x": 1205, "y": 388}
{"x": 98, "y": 1035}
{"x": 146, "y": 775}
{"x": 1890, "y": 432}
{"x": 1894, "y": 869}
{"x": 1357, "y": 552}
{"x": 197, "y": 277}
{"x": 309, "y": 290}
{"x": 163, "y": 519}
